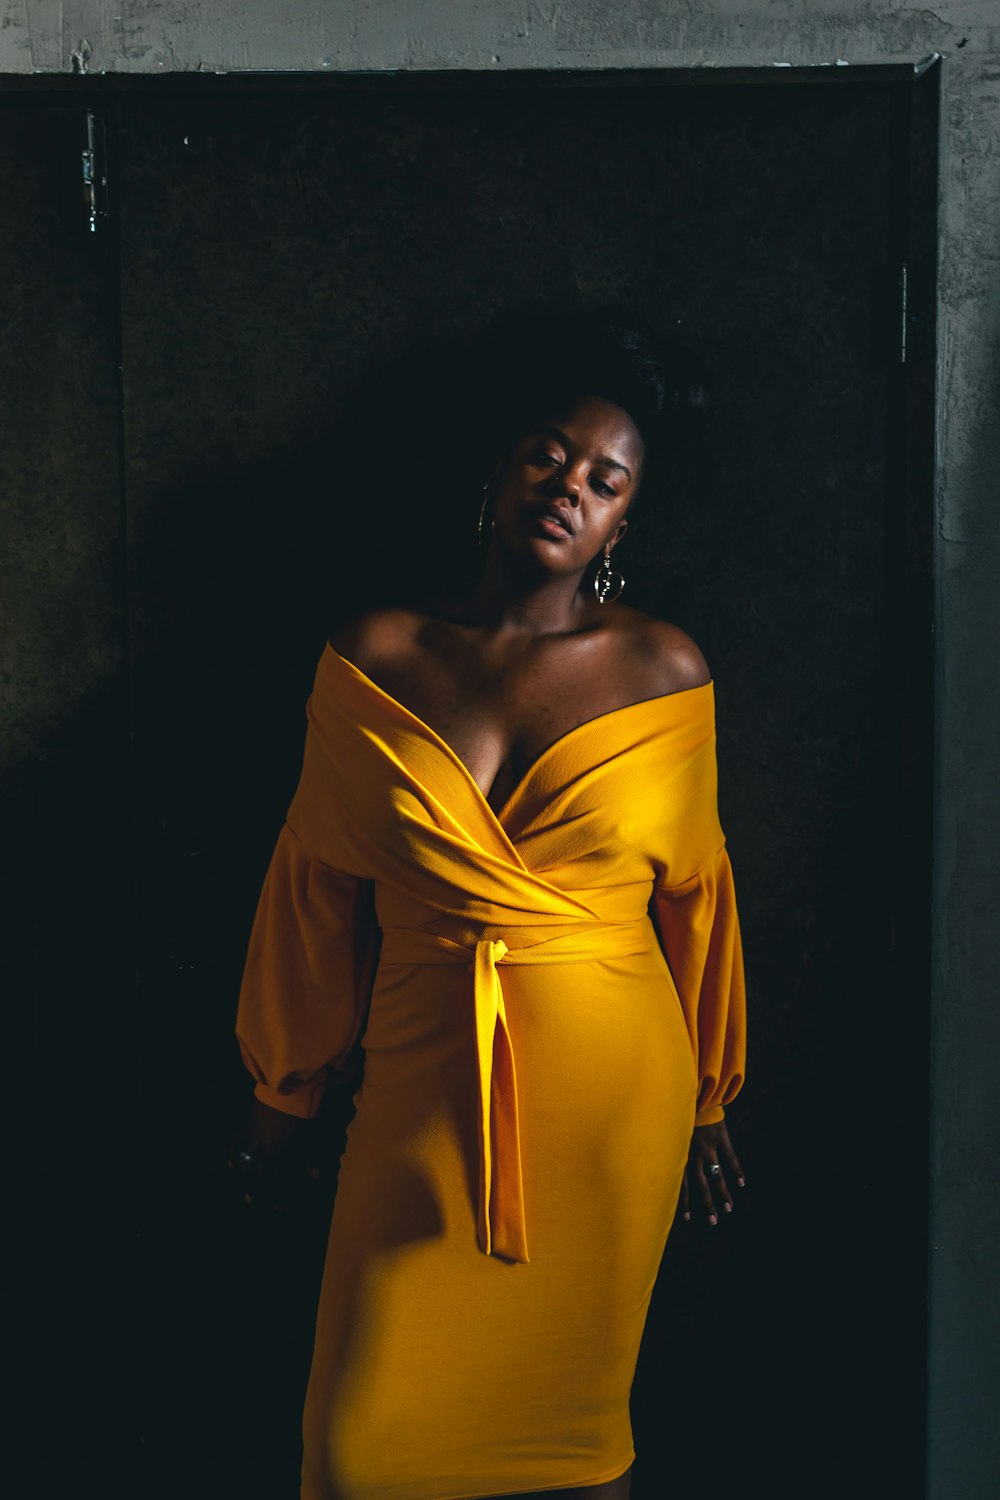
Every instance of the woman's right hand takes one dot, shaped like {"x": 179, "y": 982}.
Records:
{"x": 271, "y": 1159}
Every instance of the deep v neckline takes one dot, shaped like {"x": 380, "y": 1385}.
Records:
{"x": 499, "y": 816}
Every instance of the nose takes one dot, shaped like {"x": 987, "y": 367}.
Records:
{"x": 569, "y": 481}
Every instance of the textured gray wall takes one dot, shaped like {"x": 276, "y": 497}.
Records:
{"x": 52, "y": 36}
{"x": 230, "y": 35}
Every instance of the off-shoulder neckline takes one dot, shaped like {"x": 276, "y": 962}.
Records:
{"x": 554, "y": 745}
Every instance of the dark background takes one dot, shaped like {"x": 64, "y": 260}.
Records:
{"x": 242, "y": 408}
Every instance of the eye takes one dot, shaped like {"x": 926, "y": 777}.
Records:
{"x": 605, "y": 489}
{"x": 544, "y": 457}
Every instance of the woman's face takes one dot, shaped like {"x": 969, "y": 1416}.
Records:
{"x": 563, "y": 489}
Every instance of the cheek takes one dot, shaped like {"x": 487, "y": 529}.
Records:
{"x": 514, "y": 481}
{"x": 613, "y": 514}
{"x": 505, "y": 490}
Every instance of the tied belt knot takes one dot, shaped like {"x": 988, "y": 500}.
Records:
{"x": 501, "y": 1223}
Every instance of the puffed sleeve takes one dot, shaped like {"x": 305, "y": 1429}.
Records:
{"x": 699, "y": 933}
{"x": 308, "y": 975}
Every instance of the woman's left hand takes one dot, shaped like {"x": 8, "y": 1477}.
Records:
{"x": 712, "y": 1174}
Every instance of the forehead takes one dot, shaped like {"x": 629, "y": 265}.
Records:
{"x": 593, "y": 422}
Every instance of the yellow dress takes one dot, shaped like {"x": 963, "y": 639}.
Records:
{"x": 550, "y": 998}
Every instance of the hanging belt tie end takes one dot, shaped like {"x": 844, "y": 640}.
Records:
{"x": 501, "y": 1189}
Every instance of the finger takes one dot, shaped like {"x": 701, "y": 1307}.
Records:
{"x": 240, "y": 1159}
{"x": 703, "y": 1196}
{"x": 734, "y": 1171}
{"x": 721, "y": 1195}
{"x": 253, "y": 1181}
{"x": 246, "y": 1176}
{"x": 684, "y": 1203}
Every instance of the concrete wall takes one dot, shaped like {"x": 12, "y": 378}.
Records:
{"x": 60, "y": 36}
{"x": 229, "y": 35}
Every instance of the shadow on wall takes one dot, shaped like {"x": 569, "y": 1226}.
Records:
{"x": 142, "y": 830}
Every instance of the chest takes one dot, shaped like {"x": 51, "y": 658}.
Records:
{"x": 500, "y": 718}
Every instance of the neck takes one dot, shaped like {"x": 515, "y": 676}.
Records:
{"x": 508, "y": 598}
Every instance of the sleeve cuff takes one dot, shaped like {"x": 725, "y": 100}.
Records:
{"x": 709, "y": 1116}
{"x": 304, "y": 1102}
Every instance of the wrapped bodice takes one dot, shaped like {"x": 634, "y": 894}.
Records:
{"x": 622, "y": 800}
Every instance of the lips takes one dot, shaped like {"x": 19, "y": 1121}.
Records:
{"x": 555, "y": 513}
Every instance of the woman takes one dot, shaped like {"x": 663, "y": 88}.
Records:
{"x": 503, "y": 867}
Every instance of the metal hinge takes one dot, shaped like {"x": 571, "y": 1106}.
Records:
{"x": 901, "y": 283}
{"x": 95, "y": 179}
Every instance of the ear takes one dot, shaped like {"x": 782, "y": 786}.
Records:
{"x": 622, "y": 528}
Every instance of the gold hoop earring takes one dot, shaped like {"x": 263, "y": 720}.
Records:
{"x": 603, "y": 581}
{"x": 482, "y": 518}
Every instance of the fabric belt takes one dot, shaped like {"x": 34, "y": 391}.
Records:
{"x": 501, "y": 1225}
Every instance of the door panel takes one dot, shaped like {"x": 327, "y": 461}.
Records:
{"x": 299, "y": 272}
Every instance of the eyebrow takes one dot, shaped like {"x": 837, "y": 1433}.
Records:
{"x": 602, "y": 458}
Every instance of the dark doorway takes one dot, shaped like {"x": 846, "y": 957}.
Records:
{"x": 278, "y": 264}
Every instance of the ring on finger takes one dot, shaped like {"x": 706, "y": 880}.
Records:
{"x": 714, "y": 1170}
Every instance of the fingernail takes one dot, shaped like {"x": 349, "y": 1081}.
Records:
{"x": 712, "y": 1219}
{"x": 728, "y": 1207}
{"x": 685, "y": 1216}
{"x": 741, "y": 1181}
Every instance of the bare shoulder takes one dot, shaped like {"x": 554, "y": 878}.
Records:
{"x": 376, "y": 636}
{"x": 672, "y": 660}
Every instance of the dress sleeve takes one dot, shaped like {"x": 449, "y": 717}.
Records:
{"x": 699, "y": 933}
{"x": 307, "y": 979}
